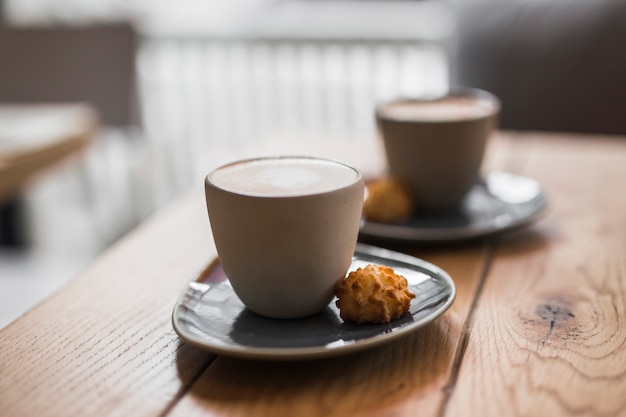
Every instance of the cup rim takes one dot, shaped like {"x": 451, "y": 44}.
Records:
{"x": 453, "y": 91}
{"x": 359, "y": 176}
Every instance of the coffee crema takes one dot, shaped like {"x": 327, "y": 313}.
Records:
{"x": 447, "y": 108}
{"x": 283, "y": 176}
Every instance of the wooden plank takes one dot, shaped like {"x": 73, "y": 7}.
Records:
{"x": 548, "y": 334}
{"x": 104, "y": 345}
{"x": 545, "y": 330}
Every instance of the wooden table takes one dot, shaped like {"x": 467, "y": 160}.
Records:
{"x": 538, "y": 327}
{"x": 35, "y": 137}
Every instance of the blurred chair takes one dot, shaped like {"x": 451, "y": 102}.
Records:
{"x": 556, "y": 66}
{"x": 34, "y": 139}
{"x": 93, "y": 64}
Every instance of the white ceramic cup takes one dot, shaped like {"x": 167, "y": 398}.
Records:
{"x": 436, "y": 146}
{"x": 285, "y": 229}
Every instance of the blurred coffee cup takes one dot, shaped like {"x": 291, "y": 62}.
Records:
{"x": 436, "y": 146}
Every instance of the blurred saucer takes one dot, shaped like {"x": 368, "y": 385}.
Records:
{"x": 501, "y": 202}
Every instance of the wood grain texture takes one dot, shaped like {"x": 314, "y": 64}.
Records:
{"x": 538, "y": 327}
{"x": 104, "y": 345}
{"x": 404, "y": 375}
{"x": 549, "y": 331}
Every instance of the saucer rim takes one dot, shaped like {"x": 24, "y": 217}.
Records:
{"x": 408, "y": 234}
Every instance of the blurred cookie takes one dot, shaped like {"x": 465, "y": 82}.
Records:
{"x": 374, "y": 294}
{"x": 387, "y": 201}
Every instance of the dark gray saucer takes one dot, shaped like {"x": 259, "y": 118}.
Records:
{"x": 210, "y": 316}
{"x": 501, "y": 202}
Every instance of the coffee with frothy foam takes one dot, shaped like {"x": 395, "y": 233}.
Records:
{"x": 283, "y": 176}
{"x": 448, "y": 108}
{"x": 436, "y": 146}
{"x": 285, "y": 230}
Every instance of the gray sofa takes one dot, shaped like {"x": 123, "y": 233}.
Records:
{"x": 556, "y": 65}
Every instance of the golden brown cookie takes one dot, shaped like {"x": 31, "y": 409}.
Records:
{"x": 374, "y": 294}
{"x": 387, "y": 201}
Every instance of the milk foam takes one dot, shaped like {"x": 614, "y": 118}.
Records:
{"x": 444, "y": 109}
{"x": 283, "y": 176}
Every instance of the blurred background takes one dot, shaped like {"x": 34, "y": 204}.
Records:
{"x": 157, "y": 93}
